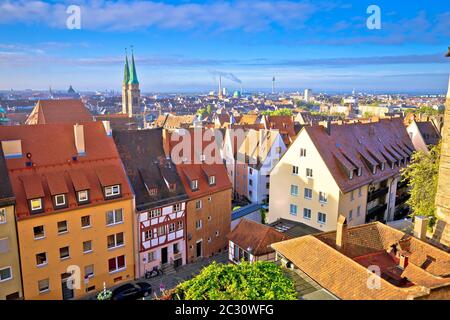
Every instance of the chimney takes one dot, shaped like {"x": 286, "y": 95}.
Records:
{"x": 340, "y": 232}
{"x": 78, "y": 130}
{"x": 403, "y": 262}
{"x": 12, "y": 148}
{"x": 327, "y": 125}
{"x": 420, "y": 227}
{"x": 107, "y": 126}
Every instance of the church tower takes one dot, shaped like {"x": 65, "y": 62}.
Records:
{"x": 131, "y": 94}
{"x": 442, "y": 229}
{"x": 126, "y": 79}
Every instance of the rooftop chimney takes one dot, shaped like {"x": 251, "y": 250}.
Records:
{"x": 327, "y": 125}
{"x": 403, "y": 262}
{"x": 78, "y": 131}
{"x": 420, "y": 227}
{"x": 107, "y": 126}
{"x": 341, "y": 231}
{"x": 12, "y": 148}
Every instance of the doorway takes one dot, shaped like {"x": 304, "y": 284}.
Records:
{"x": 199, "y": 249}
{"x": 164, "y": 255}
{"x": 67, "y": 291}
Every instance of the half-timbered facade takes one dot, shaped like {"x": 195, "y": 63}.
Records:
{"x": 160, "y": 200}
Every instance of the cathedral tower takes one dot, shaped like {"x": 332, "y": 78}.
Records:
{"x": 131, "y": 94}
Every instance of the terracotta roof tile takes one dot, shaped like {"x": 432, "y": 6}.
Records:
{"x": 59, "y": 111}
{"x": 56, "y": 183}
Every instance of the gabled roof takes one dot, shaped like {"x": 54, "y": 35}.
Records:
{"x": 147, "y": 167}
{"x": 284, "y": 125}
{"x": 429, "y": 132}
{"x": 55, "y": 167}
{"x": 59, "y": 111}
{"x": 343, "y": 271}
{"x": 362, "y": 145}
{"x": 258, "y": 237}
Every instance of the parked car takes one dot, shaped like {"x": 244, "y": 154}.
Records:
{"x": 131, "y": 291}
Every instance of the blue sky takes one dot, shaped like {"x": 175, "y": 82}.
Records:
{"x": 182, "y": 45}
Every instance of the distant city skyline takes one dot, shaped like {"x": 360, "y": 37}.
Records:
{"x": 183, "y": 47}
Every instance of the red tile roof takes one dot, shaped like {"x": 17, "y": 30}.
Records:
{"x": 59, "y": 111}
{"x": 52, "y": 149}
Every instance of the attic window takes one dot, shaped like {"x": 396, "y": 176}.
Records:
{"x": 60, "y": 201}
{"x": 153, "y": 191}
{"x": 112, "y": 191}
{"x": 382, "y": 166}
{"x": 83, "y": 196}
{"x": 374, "y": 169}
{"x": 212, "y": 180}
{"x": 359, "y": 171}
{"x": 194, "y": 184}
{"x": 350, "y": 174}
{"x": 36, "y": 205}
{"x": 172, "y": 186}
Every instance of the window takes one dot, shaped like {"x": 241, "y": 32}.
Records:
{"x": 85, "y": 221}
{"x": 217, "y": 233}
{"x": 2, "y": 215}
{"x": 36, "y": 204}
{"x": 194, "y": 184}
{"x": 302, "y": 152}
{"x": 89, "y": 271}
{"x": 308, "y": 193}
{"x": 60, "y": 200}
{"x": 116, "y": 264}
{"x": 307, "y": 213}
{"x": 162, "y": 230}
{"x": 212, "y": 180}
{"x": 155, "y": 213}
{"x": 267, "y": 185}
{"x": 171, "y": 227}
{"x": 180, "y": 224}
{"x": 64, "y": 253}
{"x": 62, "y": 227}
{"x": 5, "y": 274}
{"x": 115, "y": 240}
{"x": 114, "y": 217}
{"x": 350, "y": 215}
{"x": 322, "y": 218}
{"x": 176, "y": 207}
{"x": 323, "y": 197}
{"x": 87, "y": 246}
{"x": 153, "y": 191}
{"x": 151, "y": 256}
{"x": 4, "y": 245}
{"x": 250, "y": 182}
{"x": 209, "y": 218}
{"x": 209, "y": 199}
{"x": 358, "y": 211}
{"x": 147, "y": 235}
{"x": 39, "y": 232}
{"x": 209, "y": 239}
{"x": 250, "y": 171}
{"x": 293, "y": 209}
{"x": 41, "y": 259}
{"x": 83, "y": 196}
{"x": 309, "y": 173}
{"x": 294, "y": 190}
{"x": 198, "y": 204}
{"x": 359, "y": 192}
{"x": 250, "y": 194}
{"x": 175, "y": 248}
{"x": 294, "y": 170}
{"x": 112, "y": 191}
{"x": 43, "y": 285}
{"x": 198, "y": 224}
{"x": 352, "y": 195}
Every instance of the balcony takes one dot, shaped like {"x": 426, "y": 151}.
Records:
{"x": 376, "y": 213}
{"x": 377, "y": 194}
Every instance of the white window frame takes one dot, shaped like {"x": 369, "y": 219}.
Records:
{"x": 81, "y": 220}
{"x": 68, "y": 250}
{"x": 212, "y": 180}
{"x": 112, "y": 191}
{"x": 151, "y": 256}
{"x": 48, "y": 287}
{"x": 46, "y": 260}
{"x": 155, "y": 213}
{"x": 80, "y": 198}
{"x": 90, "y": 250}
{"x": 177, "y": 207}
{"x": 304, "y": 214}
{"x": 294, "y": 187}
{"x": 198, "y": 224}
{"x": 10, "y": 273}
{"x": 295, "y": 170}
{"x": 63, "y": 198}
{"x": 3, "y": 218}
{"x": 36, "y": 208}
{"x": 88, "y": 276}
{"x": 194, "y": 184}
{"x": 309, "y": 170}
{"x": 304, "y": 193}
{"x": 323, "y": 215}
{"x": 114, "y": 217}
{"x": 350, "y": 215}
{"x": 117, "y": 259}
{"x": 291, "y": 205}
{"x": 180, "y": 225}
{"x": 323, "y": 197}
{"x": 302, "y": 152}
{"x": 115, "y": 241}
{"x": 41, "y": 237}
{"x": 172, "y": 227}
{"x": 67, "y": 227}
{"x": 200, "y": 206}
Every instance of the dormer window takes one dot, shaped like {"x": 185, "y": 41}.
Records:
{"x": 202, "y": 157}
{"x": 60, "y": 200}
{"x": 36, "y": 205}
{"x": 194, "y": 184}
{"x": 153, "y": 191}
{"x": 350, "y": 174}
{"x": 359, "y": 171}
{"x": 83, "y": 196}
{"x": 212, "y": 180}
{"x": 172, "y": 186}
{"x": 112, "y": 191}
{"x": 382, "y": 166}
{"x": 374, "y": 169}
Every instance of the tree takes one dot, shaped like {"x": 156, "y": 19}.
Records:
{"x": 422, "y": 177}
{"x": 279, "y": 112}
{"x": 260, "y": 280}
{"x": 368, "y": 114}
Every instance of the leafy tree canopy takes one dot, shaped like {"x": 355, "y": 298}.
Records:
{"x": 422, "y": 177}
{"x": 246, "y": 281}
{"x": 279, "y": 112}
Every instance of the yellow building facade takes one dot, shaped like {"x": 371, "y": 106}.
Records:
{"x": 89, "y": 263}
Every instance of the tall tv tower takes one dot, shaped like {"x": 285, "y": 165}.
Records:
{"x": 220, "y": 87}
{"x": 273, "y": 85}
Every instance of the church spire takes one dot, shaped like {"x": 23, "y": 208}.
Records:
{"x": 133, "y": 75}
{"x": 126, "y": 71}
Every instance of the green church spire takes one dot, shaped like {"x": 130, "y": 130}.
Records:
{"x": 126, "y": 71}
{"x": 133, "y": 77}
